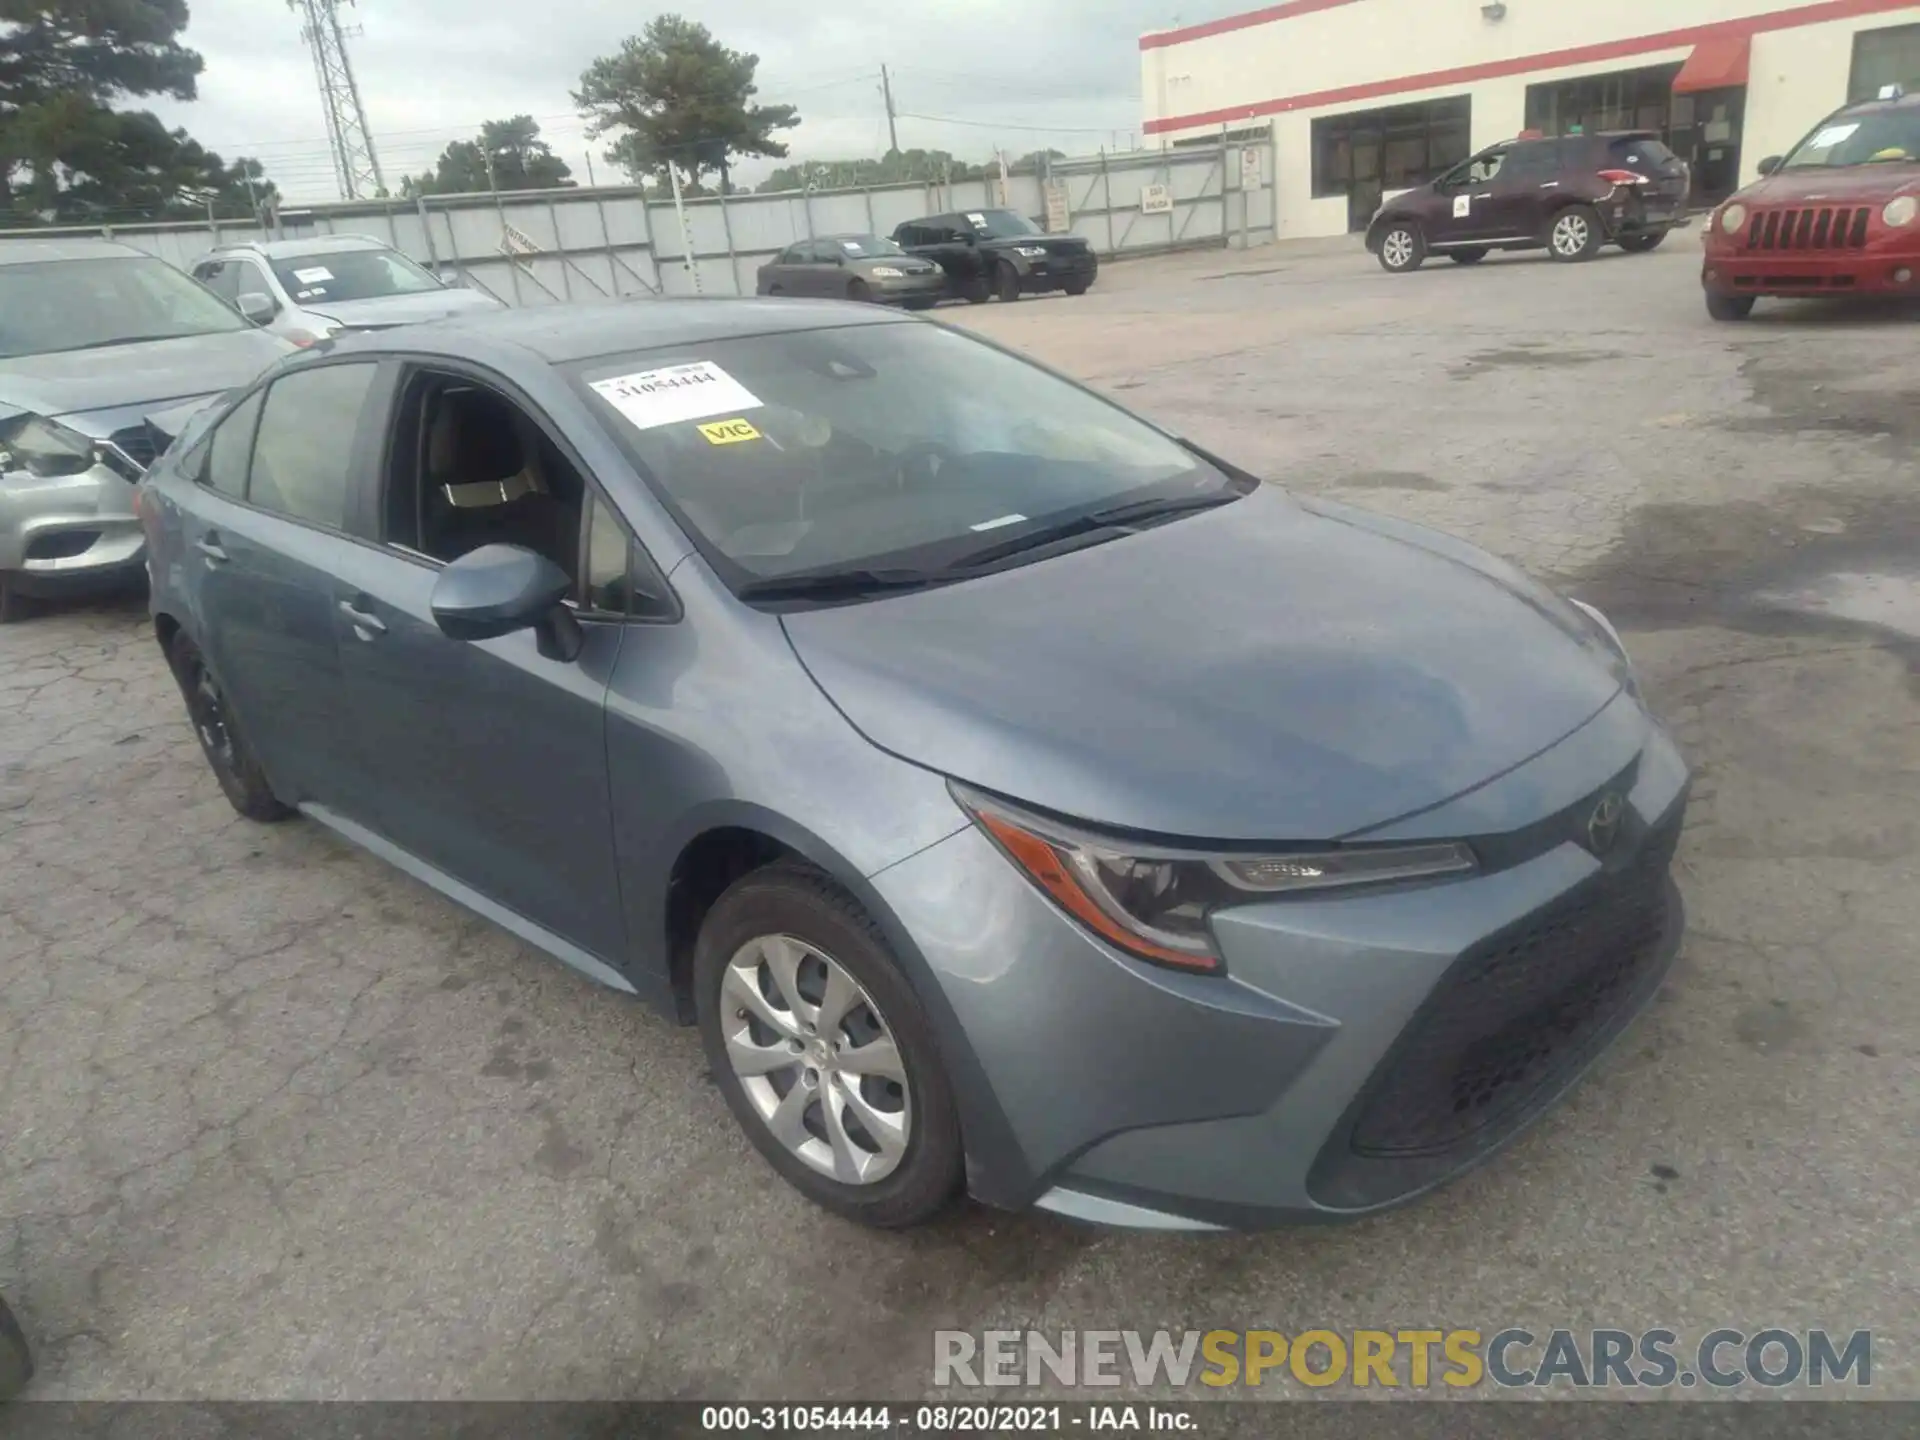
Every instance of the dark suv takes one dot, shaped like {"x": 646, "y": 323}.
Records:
{"x": 1569, "y": 195}
{"x": 999, "y": 252}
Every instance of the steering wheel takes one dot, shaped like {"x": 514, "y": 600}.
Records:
{"x": 924, "y": 454}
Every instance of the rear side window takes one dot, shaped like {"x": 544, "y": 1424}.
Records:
{"x": 303, "y": 454}
{"x": 232, "y": 444}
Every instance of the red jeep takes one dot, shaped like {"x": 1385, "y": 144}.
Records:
{"x": 1838, "y": 215}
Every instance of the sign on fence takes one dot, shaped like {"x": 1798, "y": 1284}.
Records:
{"x": 515, "y": 241}
{"x": 1250, "y": 169}
{"x": 1156, "y": 200}
{"x": 1059, "y": 216}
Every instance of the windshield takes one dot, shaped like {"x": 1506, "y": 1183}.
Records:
{"x": 866, "y": 246}
{"x": 55, "y": 305}
{"x": 875, "y": 445}
{"x": 1001, "y": 224}
{"x": 350, "y": 275}
{"x": 1875, "y": 137}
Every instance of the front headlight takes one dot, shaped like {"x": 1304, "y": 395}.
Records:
{"x": 887, "y": 272}
{"x": 1900, "y": 211}
{"x": 1733, "y": 218}
{"x": 1032, "y": 252}
{"x": 1154, "y": 903}
{"x": 43, "y": 448}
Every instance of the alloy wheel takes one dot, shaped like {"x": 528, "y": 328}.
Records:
{"x": 1571, "y": 234}
{"x": 1398, "y": 248}
{"x": 816, "y": 1059}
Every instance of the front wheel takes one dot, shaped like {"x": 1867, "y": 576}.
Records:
{"x": 228, "y": 755}
{"x": 16, "y": 1360}
{"x": 1729, "y": 307}
{"x": 1575, "y": 234}
{"x": 1006, "y": 281}
{"x": 1402, "y": 248}
{"x": 1467, "y": 257}
{"x": 13, "y": 605}
{"x": 858, "y": 292}
{"x": 976, "y": 291}
{"x": 1076, "y": 287}
{"x": 822, "y": 1050}
{"x": 1643, "y": 242}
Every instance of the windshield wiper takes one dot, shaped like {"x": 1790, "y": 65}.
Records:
{"x": 128, "y": 340}
{"x": 1121, "y": 518}
{"x": 837, "y": 584}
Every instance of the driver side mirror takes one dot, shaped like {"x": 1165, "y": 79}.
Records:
{"x": 1770, "y": 164}
{"x": 257, "y": 306}
{"x": 501, "y": 589}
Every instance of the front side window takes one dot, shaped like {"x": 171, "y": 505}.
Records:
{"x": 875, "y": 445}
{"x": 1868, "y": 137}
{"x": 49, "y": 307}
{"x": 339, "y": 275}
{"x": 302, "y": 455}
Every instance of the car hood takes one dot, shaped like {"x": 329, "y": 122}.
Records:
{"x": 1858, "y": 184}
{"x": 104, "y": 384}
{"x": 1272, "y": 670}
{"x": 384, "y": 310}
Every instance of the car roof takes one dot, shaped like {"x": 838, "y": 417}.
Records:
{"x": 1876, "y": 105}
{"x": 24, "y": 252}
{"x": 312, "y": 245}
{"x": 562, "y": 334}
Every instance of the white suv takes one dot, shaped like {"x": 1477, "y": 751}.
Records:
{"x": 307, "y": 290}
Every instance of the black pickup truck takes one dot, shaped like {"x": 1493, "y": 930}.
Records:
{"x": 999, "y": 252}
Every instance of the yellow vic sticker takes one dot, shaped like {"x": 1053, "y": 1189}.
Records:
{"x": 729, "y": 432}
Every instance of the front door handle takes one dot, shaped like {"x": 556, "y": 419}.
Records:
{"x": 209, "y": 546}
{"x": 366, "y": 626}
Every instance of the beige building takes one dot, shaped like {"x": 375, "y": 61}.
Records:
{"x": 1363, "y": 98}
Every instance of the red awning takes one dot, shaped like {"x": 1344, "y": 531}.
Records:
{"x": 1717, "y": 64}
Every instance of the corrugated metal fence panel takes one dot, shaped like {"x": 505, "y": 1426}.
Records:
{"x": 543, "y": 247}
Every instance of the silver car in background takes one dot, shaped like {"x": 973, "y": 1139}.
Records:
{"x": 104, "y": 352}
{"x": 309, "y": 290}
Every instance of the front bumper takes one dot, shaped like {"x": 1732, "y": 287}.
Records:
{"x": 911, "y": 288}
{"x": 1058, "y": 272}
{"x": 1318, "y": 1079}
{"x": 1730, "y": 267}
{"x": 69, "y": 531}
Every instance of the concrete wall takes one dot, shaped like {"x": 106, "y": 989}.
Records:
{"x": 1329, "y": 57}
{"x": 587, "y": 244}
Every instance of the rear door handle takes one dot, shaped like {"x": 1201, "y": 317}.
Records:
{"x": 209, "y": 546}
{"x": 365, "y": 625}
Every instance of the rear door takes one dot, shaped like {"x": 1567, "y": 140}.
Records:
{"x": 268, "y": 524}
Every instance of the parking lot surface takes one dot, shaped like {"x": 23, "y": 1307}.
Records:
{"x": 279, "y": 1122}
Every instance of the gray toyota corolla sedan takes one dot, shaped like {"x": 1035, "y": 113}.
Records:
{"x": 1019, "y": 798}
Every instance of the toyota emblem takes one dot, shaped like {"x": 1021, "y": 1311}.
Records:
{"x": 1603, "y": 826}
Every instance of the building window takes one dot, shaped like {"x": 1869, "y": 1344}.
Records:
{"x": 1385, "y": 150}
{"x": 1623, "y": 100}
{"x": 1885, "y": 57}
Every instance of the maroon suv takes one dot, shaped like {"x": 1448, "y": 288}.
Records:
{"x": 1569, "y": 195}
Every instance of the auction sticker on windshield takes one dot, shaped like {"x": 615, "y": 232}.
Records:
{"x": 313, "y": 275}
{"x": 650, "y": 398}
{"x": 1831, "y": 136}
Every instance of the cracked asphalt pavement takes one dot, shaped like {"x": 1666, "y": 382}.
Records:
{"x": 279, "y": 1122}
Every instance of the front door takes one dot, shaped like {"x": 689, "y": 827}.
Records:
{"x": 1706, "y": 134}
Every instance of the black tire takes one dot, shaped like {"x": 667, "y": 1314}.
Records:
{"x": 790, "y": 899}
{"x": 1467, "y": 257}
{"x": 1641, "y": 243}
{"x": 1575, "y": 234}
{"x": 1075, "y": 287}
{"x": 1729, "y": 307}
{"x": 858, "y": 292}
{"x": 14, "y": 606}
{"x": 1403, "y": 248}
{"x": 920, "y": 304}
{"x": 1006, "y": 281}
{"x": 16, "y": 1360}
{"x": 221, "y": 740}
{"x": 976, "y": 291}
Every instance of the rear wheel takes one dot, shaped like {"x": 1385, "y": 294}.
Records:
{"x": 822, "y": 1050}
{"x": 1643, "y": 242}
{"x": 1729, "y": 307}
{"x": 1402, "y": 248}
{"x": 1575, "y": 234}
{"x": 1467, "y": 257}
{"x": 1006, "y": 281}
{"x": 228, "y": 754}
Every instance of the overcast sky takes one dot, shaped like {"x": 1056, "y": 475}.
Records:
{"x": 431, "y": 70}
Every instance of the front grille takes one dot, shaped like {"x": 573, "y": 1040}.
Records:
{"x": 136, "y": 442}
{"x": 1519, "y": 1009}
{"x": 1823, "y": 227}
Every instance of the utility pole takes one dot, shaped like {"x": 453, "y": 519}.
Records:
{"x": 355, "y": 166}
{"x": 893, "y": 133}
